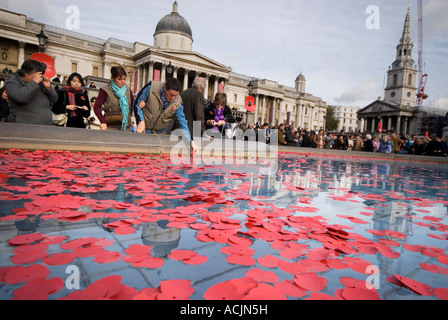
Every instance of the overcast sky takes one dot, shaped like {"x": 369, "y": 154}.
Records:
{"x": 344, "y": 61}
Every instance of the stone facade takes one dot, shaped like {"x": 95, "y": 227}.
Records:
{"x": 93, "y": 58}
{"x": 348, "y": 118}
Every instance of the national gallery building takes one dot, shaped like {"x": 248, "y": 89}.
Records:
{"x": 171, "y": 55}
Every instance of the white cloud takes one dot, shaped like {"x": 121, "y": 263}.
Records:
{"x": 363, "y": 92}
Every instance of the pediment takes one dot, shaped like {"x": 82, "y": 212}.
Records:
{"x": 379, "y": 107}
{"x": 186, "y": 58}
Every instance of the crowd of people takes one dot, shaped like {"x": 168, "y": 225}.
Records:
{"x": 160, "y": 107}
{"x": 387, "y": 142}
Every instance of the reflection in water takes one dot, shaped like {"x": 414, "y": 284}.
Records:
{"x": 148, "y": 201}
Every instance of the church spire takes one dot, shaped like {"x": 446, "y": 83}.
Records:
{"x": 406, "y": 37}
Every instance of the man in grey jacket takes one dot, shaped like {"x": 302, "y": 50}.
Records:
{"x": 31, "y": 95}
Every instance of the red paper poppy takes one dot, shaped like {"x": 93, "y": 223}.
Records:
{"x": 238, "y": 250}
{"x": 320, "y": 296}
{"x": 138, "y": 249}
{"x": 24, "y": 274}
{"x": 38, "y": 289}
{"x": 125, "y": 294}
{"x": 175, "y": 290}
{"x": 289, "y": 288}
{"x": 292, "y": 267}
{"x": 240, "y": 259}
{"x": 196, "y": 260}
{"x": 269, "y": 261}
{"x": 222, "y": 291}
{"x": 30, "y": 247}
{"x": 441, "y": 293}
{"x": 265, "y": 291}
{"x": 57, "y": 259}
{"x": 112, "y": 284}
{"x": 262, "y": 276}
{"x": 359, "y": 265}
{"x": 336, "y": 263}
{"x": 354, "y": 283}
{"x": 124, "y": 230}
{"x": 310, "y": 281}
{"x": 414, "y": 285}
{"x": 107, "y": 257}
{"x": 180, "y": 255}
{"x": 150, "y": 263}
{"x": 84, "y": 252}
{"x": 26, "y": 238}
{"x": 360, "y": 294}
{"x": 29, "y": 257}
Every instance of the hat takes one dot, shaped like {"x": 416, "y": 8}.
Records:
{"x": 369, "y": 137}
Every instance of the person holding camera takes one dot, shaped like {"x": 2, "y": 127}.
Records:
{"x": 30, "y": 94}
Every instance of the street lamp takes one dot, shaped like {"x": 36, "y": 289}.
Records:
{"x": 42, "y": 38}
{"x": 250, "y": 86}
{"x": 169, "y": 70}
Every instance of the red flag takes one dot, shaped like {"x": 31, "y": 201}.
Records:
{"x": 427, "y": 134}
{"x": 380, "y": 127}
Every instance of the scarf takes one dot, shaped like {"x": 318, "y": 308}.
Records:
{"x": 219, "y": 115}
{"x": 71, "y": 98}
{"x": 120, "y": 93}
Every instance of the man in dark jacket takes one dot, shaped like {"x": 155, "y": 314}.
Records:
{"x": 291, "y": 138}
{"x": 193, "y": 100}
{"x": 436, "y": 147}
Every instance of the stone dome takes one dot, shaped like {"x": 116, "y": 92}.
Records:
{"x": 174, "y": 23}
{"x": 301, "y": 77}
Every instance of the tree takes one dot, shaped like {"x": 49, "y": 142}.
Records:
{"x": 331, "y": 124}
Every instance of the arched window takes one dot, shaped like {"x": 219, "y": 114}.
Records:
{"x": 410, "y": 80}
{"x": 395, "y": 81}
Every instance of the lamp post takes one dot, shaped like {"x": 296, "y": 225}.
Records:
{"x": 250, "y": 86}
{"x": 169, "y": 70}
{"x": 42, "y": 38}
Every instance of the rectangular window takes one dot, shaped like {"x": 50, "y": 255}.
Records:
{"x": 74, "y": 67}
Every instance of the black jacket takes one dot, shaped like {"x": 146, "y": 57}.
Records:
{"x": 75, "y": 118}
{"x": 209, "y": 114}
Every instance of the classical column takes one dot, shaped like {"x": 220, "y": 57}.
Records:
{"x": 263, "y": 115}
{"x": 163, "y": 73}
{"x": 144, "y": 76}
{"x": 256, "y": 107}
{"x": 150, "y": 76}
{"x": 297, "y": 116}
{"x": 405, "y": 125}
{"x": 206, "y": 93}
{"x": 311, "y": 117}
{"x": 186, "y": 79}
{"x": 21, "y": 54}
{"x": 398, "y": 124}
